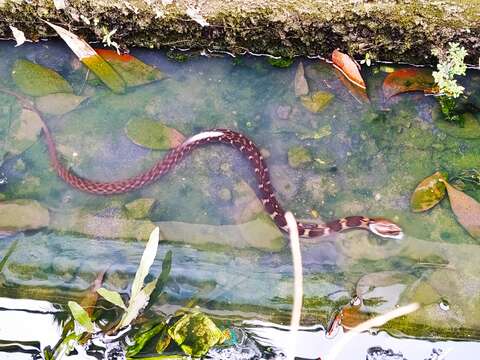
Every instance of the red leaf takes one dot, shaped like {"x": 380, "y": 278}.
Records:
{"x": 408, "y": 80}
{"x": 348, "y": 67}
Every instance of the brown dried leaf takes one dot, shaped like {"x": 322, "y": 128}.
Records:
{"x": 301, "y": 85}
{"x": 466, "y": 209}
{"x": 348, "y": 67}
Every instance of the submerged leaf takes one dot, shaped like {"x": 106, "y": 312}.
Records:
{"x": 143, "y": 335}
{"x": 162, "y": 279}
{"x": 301, "y": 85}
{"x": 37, "y": 80}
{"x": 153, "y": 134}
{"x": 317, "y": 101}
{"x": 428, "y": 193}
{"x": 91, "y": 59}
{"x": 466, "y": 209}
{"x": 146, "y": 262}
{"x": 357, "y": 92}
{"x": 58, "y": 104}
{"x": 407, "y": 80}
{"x": 132, "y": 70}
{"x": 348, "y": 67}
{"x": 81, "y": 316}
{"x": 112, "y": 296}
{"x": 24, "y": 132}
{"x": 90, "y": 300}
{"x": 196, "y": 333}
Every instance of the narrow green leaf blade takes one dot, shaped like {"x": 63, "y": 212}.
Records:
{"x": 162, "y": 279}
{"x": 112, "y": 296}
{"x": 145, "y": 263}
{"x": 81, "y": 316}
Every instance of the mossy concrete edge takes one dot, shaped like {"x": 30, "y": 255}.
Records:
{"x": 387, "y": 30}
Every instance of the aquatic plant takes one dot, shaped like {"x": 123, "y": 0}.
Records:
{"x": 450, "y": 65}
{"x": 280, "y": 62}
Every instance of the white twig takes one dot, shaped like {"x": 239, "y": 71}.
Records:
{"x": 374, "y": 322}
{"x": 297, "y": 283}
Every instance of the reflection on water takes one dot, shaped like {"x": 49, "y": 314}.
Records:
{"x": 327, "y": 160}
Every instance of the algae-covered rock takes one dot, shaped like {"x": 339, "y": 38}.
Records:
{"x": 318, "y": 101}
{"x": 139, "y": 209}
{"x": 195, "y": 333}
{"x": 153, "y": 134}
{"x": 22, "y": 215}
{"x": 429, "y": 192}
{"x": 37, "y": 80}
{"x": 299, "y": 157}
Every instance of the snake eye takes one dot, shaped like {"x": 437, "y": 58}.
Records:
{"x": 385, "y": 228}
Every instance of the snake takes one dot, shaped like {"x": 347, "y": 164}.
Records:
{"x": 378, "y": 226}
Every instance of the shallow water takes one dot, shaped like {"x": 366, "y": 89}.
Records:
{"x": 227, "y": 255}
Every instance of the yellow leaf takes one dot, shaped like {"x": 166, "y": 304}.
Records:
{"x": 91, "y": 59}
{"x": 428, "y": 193}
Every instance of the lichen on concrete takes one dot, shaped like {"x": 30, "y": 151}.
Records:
{"x": 389, "y": 30}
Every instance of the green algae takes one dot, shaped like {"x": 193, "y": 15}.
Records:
{"x": 299, "y": 157}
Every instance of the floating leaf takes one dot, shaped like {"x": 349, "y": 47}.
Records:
{"x": 195, "y": 333}
{"x": 301, "y": 85}
{"x": 466, "y": 209}
{"x": 81, "y": 316}
{"x": 91, "y": 59}
{"x": 317, "y": 101}
{"x": 358, "y": 93}
{"x": 146, "y": 262}
{"x": 408, "y": 80}
{"x": 24, "y": 132}
{"x": 132, "y": 70}
{"x": 37, "y": 80}
{"x": 348, "y": 67}
{"x": 58, "y": 104}
{"x": 113, "y": 297}
{"x": 428, "y": 193}
{"x": 152, "y": 134}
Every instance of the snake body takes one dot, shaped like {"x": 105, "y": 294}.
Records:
{"x": 378, "y": 226}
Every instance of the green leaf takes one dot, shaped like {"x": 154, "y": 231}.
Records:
{"x": 428, "y": 193}
{"x": 162, "y": 279}
{"x": 195, "y": 333}
{"x": 136, "y": 304}
{"x": 153, "y": 134}
{"x": 146, "y": 262}
{"x": 132, "y": 70}
{"x": 143, "y": 335}
{"x": 113, "y": 297}
{"x": 36, "y": 80}
{"x": 9, "y": 252}
{"x": 81, "y": 316}
{"x": 163, "y": 341}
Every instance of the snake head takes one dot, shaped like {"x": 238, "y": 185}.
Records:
{"x": 385, "y": 228}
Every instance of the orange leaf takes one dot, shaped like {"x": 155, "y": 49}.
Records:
{"x": 466, "y": 209}
{"x": 348, "y": 67}
{"x": 358, "y": 93}
{"x": 408, "y": 80}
